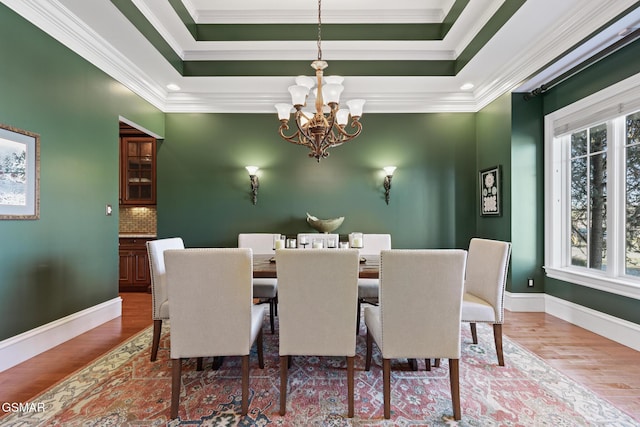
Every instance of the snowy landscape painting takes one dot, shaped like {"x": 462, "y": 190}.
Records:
{"x": 19, "y": 173}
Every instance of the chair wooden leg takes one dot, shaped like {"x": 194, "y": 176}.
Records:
{"x": 436, "y": 363}
{"x": 259, "y": 344}
{"x": 272, "y": 313}
{"x": 427, "y": 364}
{"x": 474, "y": 333}
{"x": 386, "y": 387}
{"x": 245, "y": 385}
{"x": 217, "y": 362}
{"x": 157, "y": 329}
{"x": 413, "y": 364}
{"x": 284, "y": 368}
{"x": 176, "y": 372}
{"x": 350, "y": 385}
{"x": 275, "y": 305}
{"x": 367, "y": 360}
{"x": 358, "y": 317}
{"x": 199, "y": 362}
{"x": 497, "y": 337}
{"x": 454, "y": 378}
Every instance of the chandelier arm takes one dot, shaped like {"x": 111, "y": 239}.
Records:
{"x": 294, "y": 138}
{"x": 303, "y": 130}
{"x": 345, "y": 136}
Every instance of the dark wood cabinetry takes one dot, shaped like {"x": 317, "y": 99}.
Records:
{"x": 134, "y": 265}
{"x": 137, "y": 170}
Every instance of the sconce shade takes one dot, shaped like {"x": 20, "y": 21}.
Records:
{"x": 298, "y": 94}
{"x": 284, "y": 111}
{"x": 355, "y": 107}
{"x": 252, "y": 169}
{"x": 389, "y": 170}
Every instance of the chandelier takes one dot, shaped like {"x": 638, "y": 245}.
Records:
{"x": 323, "y": 128}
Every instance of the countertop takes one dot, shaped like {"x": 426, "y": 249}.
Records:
{"x": 138, "y": 235}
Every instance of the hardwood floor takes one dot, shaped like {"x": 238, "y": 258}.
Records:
{"x": 29, "y": 378}
{"x": 609, "y": 369}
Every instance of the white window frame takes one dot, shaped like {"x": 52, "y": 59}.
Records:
{"x": 611, "y": 103}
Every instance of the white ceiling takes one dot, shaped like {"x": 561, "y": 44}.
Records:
{"x": 539, "y": 33}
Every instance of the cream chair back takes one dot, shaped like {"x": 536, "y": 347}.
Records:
{"x": 420, "y": 303}
{"x": 263, "y": 288}
{"x": 486, "y": 274}
{"x": 159, "y": 295}
{"x": 211, "y": 301}
{"x": 317, "y": 297}
{"x": 260, "y": 243}
{"x": 374, "y": 243}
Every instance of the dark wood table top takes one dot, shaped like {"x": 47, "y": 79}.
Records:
{"x": 264, "y": 266}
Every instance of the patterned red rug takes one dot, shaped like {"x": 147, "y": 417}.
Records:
{"x": 123, "y": 388}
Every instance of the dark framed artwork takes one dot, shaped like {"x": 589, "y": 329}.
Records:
{"x": 19, "y": 173}
{"x": 490, "y": 192}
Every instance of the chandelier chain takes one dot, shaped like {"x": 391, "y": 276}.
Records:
{"x": 319, "y": 30}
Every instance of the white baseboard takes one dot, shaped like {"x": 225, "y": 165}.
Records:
{"x": 613, "y": 328}
{"x": 21, "y": 347}
{"x": 524, "y": 302}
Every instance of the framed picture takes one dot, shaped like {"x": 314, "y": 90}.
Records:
{"x": 19, "y": 173}
{"x": 490, "y": 192}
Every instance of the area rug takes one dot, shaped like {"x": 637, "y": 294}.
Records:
{"x": 123, "y": 388}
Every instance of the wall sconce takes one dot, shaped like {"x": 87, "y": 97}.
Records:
{"x": 388, "y": 171}
{"x": 255, "y": 184}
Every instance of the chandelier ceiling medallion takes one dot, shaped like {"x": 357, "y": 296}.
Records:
{"x": 323, "y": 128}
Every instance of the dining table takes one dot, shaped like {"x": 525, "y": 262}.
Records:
{"x": 264, "y": 266}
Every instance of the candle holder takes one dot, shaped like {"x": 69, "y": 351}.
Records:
{"x": 355, "y": 240}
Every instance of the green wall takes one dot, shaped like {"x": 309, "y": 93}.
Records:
{"x": 527, "y": 194}
{"x": 203, "y": 188}
{"x": 67, "y": 260}
{"x": 618, "y": 66}
{"x": 494, "y": 148}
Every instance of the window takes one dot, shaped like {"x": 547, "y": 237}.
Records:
{"x": 592, "y": 190}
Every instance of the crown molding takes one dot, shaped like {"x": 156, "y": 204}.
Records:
{"x": 286, "y": 12}
{"x": 386, "y": 95}
{"x": 577, "y": 26}
{"x": 55, "y": 19}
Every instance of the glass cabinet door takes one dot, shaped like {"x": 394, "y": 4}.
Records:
{"x": 138, "y": 170}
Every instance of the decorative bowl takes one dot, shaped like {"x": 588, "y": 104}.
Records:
{"x": 324, "y": 225}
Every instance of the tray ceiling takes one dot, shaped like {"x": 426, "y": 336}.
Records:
{"x": 401, "y": 56}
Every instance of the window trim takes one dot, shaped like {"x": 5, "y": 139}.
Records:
{"x": 617, "y": 100}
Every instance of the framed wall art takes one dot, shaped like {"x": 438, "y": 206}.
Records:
{"x": 490, "y": 192}
{"x": 19, "y": 173}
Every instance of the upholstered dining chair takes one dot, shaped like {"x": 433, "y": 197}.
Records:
{"x": 418, "y": 316}
{"x": 264, "y": 289}
{"x": 212, "y": 311}
{"x": 486, "y": 277}
{"x": 318, "y": 292}
{"x": 159, "y": 295}
{"x": 368, "y": 288}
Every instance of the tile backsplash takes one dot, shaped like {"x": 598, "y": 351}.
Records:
{"x": 138, "y": 219}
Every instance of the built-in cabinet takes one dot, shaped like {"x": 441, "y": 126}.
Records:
{"x": 134, "y": 265}
{"x": 137, "y": 189}
{"x": 138, "y": 170}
